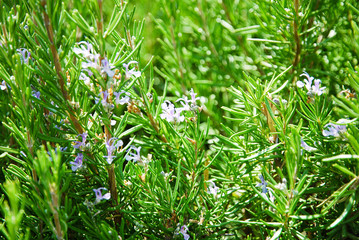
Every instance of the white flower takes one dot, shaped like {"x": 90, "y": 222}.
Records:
{"x": 282, "y": 186}
{"x": 3, "y": 85}
{"x": 213, "y": 189}
{"x": 85, "y": 49}
{"x": 170, "y": 113}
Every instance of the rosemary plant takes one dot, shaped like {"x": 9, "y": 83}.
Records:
{"x": 211, "y": 120}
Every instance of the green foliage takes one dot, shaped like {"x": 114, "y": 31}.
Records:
{"x": 226, "y": 132}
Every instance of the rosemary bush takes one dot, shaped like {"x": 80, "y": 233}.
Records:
{"x": 242, "y": 123}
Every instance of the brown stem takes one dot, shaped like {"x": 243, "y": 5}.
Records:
{"x": 54, "y": 207}
{"x": 100, "y": 21}
{"x": 5, "y": 34}
{"x": 113, "y": 190}
{"x": 155, "y": 126}
{"x": 55, "y": 55}
{"x": 129, "y": 39}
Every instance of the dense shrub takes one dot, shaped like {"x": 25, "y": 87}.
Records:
{"x": 241, "y": 125}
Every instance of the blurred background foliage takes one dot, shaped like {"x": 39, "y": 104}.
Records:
{"x": 210, "y": 45}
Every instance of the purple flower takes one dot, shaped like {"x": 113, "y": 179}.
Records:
{"x": 25, "y": 55}
{"x": 334, "y": 130}
{"x": 133, "y": 156}
{"x": 132, "y": 71}
{"x": 36, "y": 94}
{"x": 77, "y": 163}
{"x": 124, "y": 99}
{"x": 104, "y": 95}
{"x": 263, "y": 184}
{"x": 91, "y": 62}
{"x": 82, "y": 144}
{"x": 111, "y": 145}
{"x": 170, "y": 113}
{"x": 183, "y": 231}
{"x": 106, "y": 67}
{"x": 312, "y": 90}
{"x": 306, "y": 146}
{"x": 99, "y": 195}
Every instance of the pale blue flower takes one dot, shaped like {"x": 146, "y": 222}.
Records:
{"x": 104, "y": 99}
{"x": 307, "y": 82}
{"x": 99, "y": 195}
{"x": 85, "y": 49}
{"x": 78, "y": 162}
{"x": 135, "y": 156}
{"x": 36, "y": 94}
{"x": 334, "y": 130}
{"x": 312, "y": 90}
{"x": 316, "y": 89}
{"x": 189, "y": 104}
{"x": 106, "y": 67}
{"x": 91, "y": 63}
{"x": 263, "y": 184}
{"x": 111, "y": 145}
{"x": 3, "y": 86}
{"x": 25, "y": 55}
{"x": 212, "y": 188}
{"x": 170, "y": 113}
{"x": 82, "y": 144}
{"x": 183, "y": 231}
{"x": 193, "y": 96}
{"x": 306, "y": 146}
{"x": 132, "y": 71}
{"x": 122, "y": 97}
{"x": 185, "y": 103}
